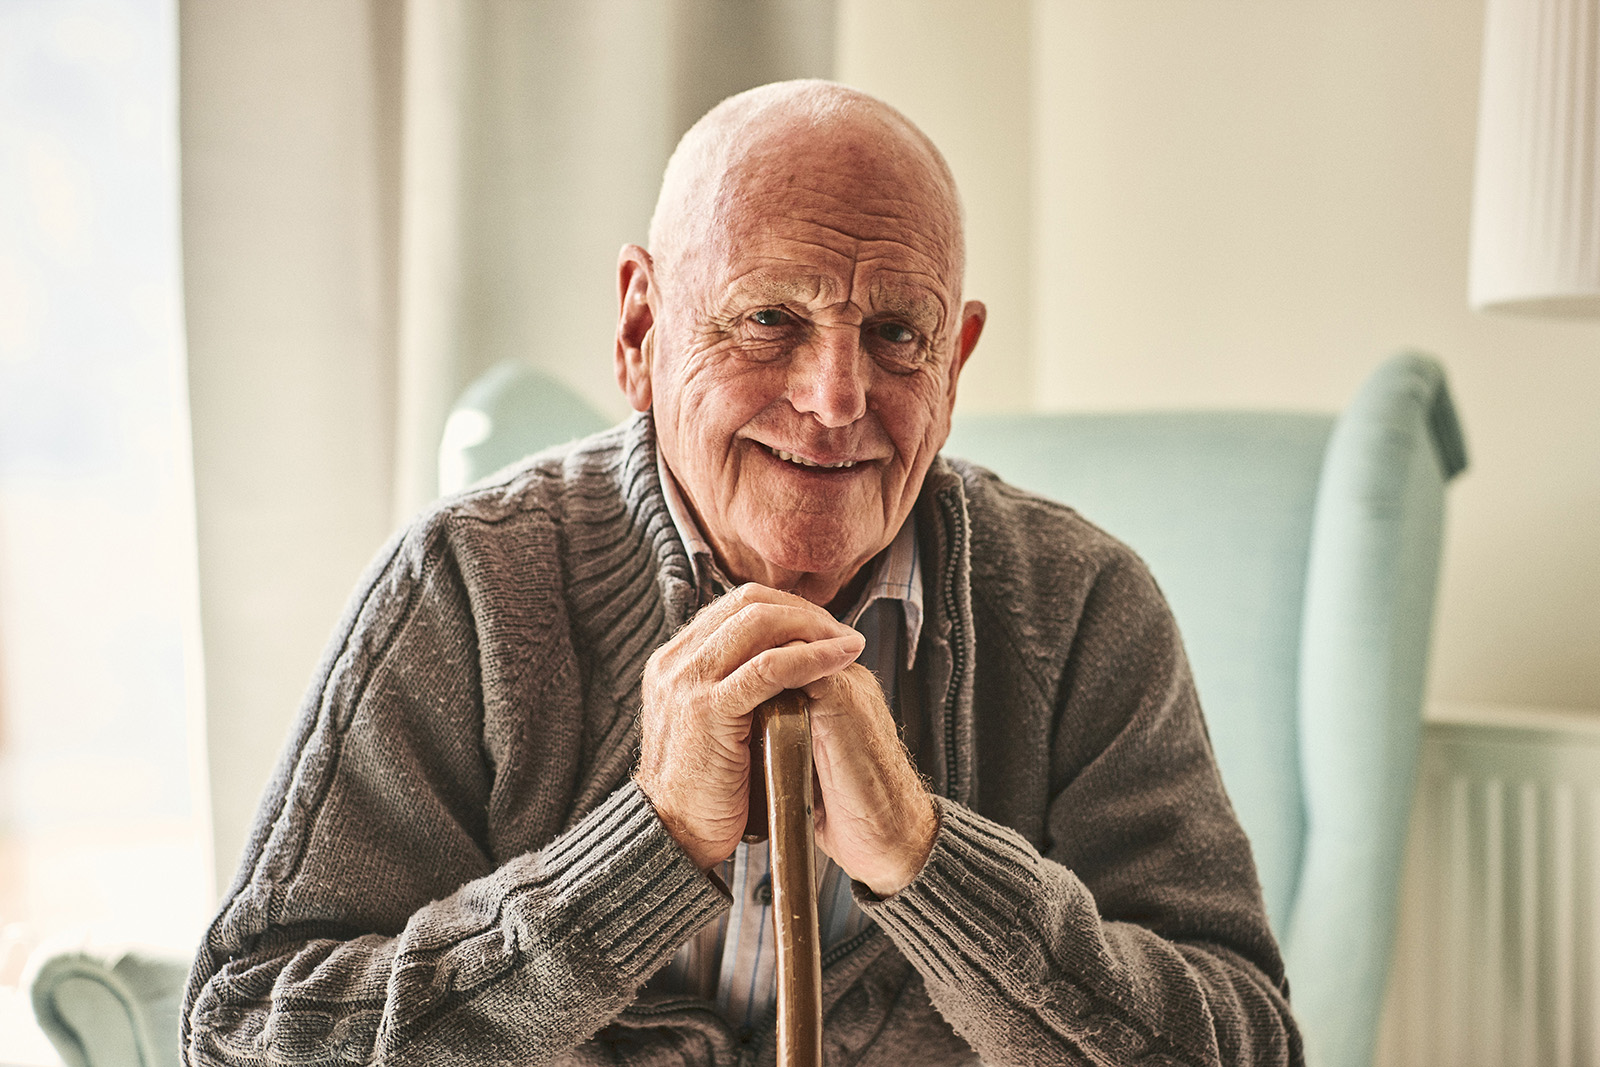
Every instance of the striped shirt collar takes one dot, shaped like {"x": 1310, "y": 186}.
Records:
{"x": 896, "y": 575}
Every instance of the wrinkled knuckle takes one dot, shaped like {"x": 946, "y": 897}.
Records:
{"x": 758, "y": 675}
{"x": 759, "y": 616}
{"x": 766, "y": 670}
{"x": 735, "y": 625}
{"x": 718, "y": 646}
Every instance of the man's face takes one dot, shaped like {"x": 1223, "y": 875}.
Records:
{"x": 805, "y": 358}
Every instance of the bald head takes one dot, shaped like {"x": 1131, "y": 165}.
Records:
{"x": 775, "y": 132}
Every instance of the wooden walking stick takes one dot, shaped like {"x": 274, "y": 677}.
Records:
{"x": 783, "y": 725}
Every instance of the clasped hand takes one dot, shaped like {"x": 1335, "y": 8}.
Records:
{"x": 700, "y": 690}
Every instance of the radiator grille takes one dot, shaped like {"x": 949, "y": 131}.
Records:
{"x": 1498, "y": 955}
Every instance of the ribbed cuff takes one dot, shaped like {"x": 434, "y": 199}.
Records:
{"x": 631, "y": 890}
{"x": 967, "y": 902}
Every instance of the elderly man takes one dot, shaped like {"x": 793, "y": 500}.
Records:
{"x": 508, "y": 827}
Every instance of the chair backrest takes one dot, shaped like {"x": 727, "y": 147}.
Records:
{"x": 1219, "y": 505}
{"x": 1300, "y": 554}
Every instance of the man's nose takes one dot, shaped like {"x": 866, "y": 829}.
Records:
{"x": 828, "y": 377}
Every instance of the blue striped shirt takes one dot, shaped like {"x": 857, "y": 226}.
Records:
{"x": 731, "y": 962}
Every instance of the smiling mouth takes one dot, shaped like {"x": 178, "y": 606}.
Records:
{"x": 801, "y": 461}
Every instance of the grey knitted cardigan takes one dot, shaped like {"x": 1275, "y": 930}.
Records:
{"x": 451, "y": 865}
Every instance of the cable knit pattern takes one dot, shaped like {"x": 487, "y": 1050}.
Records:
{"x": 451, "y": 865}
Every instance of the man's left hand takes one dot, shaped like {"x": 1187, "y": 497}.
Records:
{"x": 874, "y": 817}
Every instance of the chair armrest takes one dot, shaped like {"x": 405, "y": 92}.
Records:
{"x": 117, "y": 1009}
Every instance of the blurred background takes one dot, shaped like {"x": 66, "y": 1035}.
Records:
{"x": 250, "y": 253}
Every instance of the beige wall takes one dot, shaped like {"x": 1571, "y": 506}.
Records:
{"x": 960, "y": 70}
{"x": 1251, "y": 203}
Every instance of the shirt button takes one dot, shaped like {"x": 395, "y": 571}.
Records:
{"x": 762, "y": 893}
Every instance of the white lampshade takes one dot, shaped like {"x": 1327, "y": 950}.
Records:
{"x": 1536, "y": 205}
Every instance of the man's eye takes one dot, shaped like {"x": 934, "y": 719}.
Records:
{"x": 894, "y": 333}
{"x": 769, "y": 317}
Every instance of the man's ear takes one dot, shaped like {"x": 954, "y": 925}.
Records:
{"x": 636, "y": 320}
{"x": 973, "y": 316}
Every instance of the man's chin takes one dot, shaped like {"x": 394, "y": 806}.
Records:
{"x": 814, "y": 569}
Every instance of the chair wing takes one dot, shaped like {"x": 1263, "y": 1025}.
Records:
{"x": 1368, "y": 617}
{"x": 511, "y": 411}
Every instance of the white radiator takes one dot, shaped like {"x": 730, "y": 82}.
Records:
{"x": 1497, "y": 960}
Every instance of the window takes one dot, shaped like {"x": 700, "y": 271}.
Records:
{"x": 101, "y": 834}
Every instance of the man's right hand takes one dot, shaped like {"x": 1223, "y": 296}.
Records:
{"x": 699, "y": 692}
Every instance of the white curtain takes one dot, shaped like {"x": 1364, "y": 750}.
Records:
{"x": 382, "y": 199}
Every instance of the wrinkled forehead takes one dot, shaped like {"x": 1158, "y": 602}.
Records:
{"x": 858, "y": 193}
{"x": 805, "y": 147}
{"x": 828, "y": 173}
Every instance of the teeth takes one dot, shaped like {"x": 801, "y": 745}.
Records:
{"x": 790, "y": 457}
